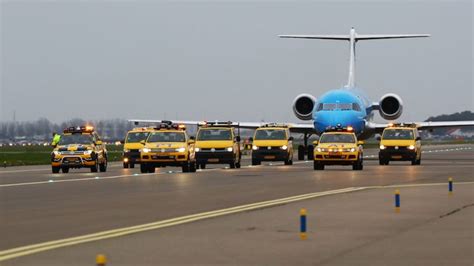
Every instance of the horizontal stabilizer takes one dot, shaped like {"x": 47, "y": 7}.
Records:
{"x": 357, "y": 37}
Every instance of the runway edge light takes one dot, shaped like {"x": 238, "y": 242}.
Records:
{"x": 450, "y": 186}
{"x": 100, "y": 260}
{"x": 397, "y": 201}
{"x": 303, "y": 235}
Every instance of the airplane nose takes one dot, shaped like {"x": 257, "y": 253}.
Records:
{"x": 335, "y": 119}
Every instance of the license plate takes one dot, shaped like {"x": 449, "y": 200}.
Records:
{"x": 269, "y": 157}
{"x": 213, "y": 160}
{"x": 396, "y": 157}
{"x": 335, "y": 153}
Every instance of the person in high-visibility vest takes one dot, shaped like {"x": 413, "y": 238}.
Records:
{"x": 56, "y": 139}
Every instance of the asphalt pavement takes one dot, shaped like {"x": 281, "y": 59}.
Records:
{"x": 37, "y": 206}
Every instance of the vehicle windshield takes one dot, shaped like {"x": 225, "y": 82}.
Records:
{"x": 398, "y": 134}
{"x": 270, "y": 134}
{"x": 214, "y": 134}
{"x": 338, "y": 106}
{"x": 76, "y": 139}
{"x": 167, "y": 137}
{"x": 134, "y": 137}
{"x": 337, "y": 138}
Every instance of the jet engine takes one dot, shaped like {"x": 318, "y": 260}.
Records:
{"x": 390, "y": 106}
{"x": 303, "y": 106}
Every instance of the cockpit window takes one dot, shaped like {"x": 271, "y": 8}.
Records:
{"x": 356, "y": 107}
{"x": 338, "y": 106}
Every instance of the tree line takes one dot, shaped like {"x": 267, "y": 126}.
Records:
{"x": 42, "y": 129}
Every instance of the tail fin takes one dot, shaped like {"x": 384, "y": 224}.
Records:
{"x": 353, "y": 37}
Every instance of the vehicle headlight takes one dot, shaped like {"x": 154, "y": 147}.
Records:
{"x": 352, "y": 150}
{"x": 145, "y": 150}
{"x": 88, "y": 152}
{"x": 56, "y": 152}
{"x": 319, "y": 149}
{"x": 411, "y": 147}
{"x": 125, "y": 150}
{"x": 382, "y": 147}
{"x": 254, "y": 147}
{"x": 182, "y": 149}
{"x": 284, "y": 147}
{"x": 197, "y": 149}
{"x": 230, "y": 149}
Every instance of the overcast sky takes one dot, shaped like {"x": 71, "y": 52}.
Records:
{"x": 213, "y": 60}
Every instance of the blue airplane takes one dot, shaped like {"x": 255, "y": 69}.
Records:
{"x": 343, "y": 107}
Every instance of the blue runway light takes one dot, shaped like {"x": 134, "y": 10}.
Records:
{"x": 397, "y": 200}
{"x": 303, "y": 224}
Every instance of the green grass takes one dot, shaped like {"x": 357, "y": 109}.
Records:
{"x": 36, "y": 155}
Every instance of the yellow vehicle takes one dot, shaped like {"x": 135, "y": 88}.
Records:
{"x": 132, "y": 145}
{"x": 216, "y": 143}
{"x": 338, "y": 147}
{"x": 169, "y": 145}
{"x": 79, "y": 147}
{"x": 272, "y": 142}
{"x": 400, "y": 142}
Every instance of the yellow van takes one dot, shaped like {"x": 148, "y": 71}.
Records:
{"x": 272, "y": 142}
{"x": 400, "y": 142}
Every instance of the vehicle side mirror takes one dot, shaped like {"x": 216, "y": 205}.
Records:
{"x": 360, "y": 142}
{"x": 290, "y": 139}
{"x": 99, "y": 142}
{"x": 192, "y": 138}
{"x": 315, "y": 142}
{"x": 237, "y": 138}
{"x": 54, "y": 145}
{"x": 142, "y": 142}
{"x": 122, "y": 141}
{"x": 250, "y": 139}
{"x": 418, "y": 138}
{"x": 379, "y": 138}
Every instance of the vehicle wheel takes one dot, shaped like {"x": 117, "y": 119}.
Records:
{"x": 255, "y": 162}
{"x": 65, "y": 169}
{"x": 288, "y": 162}
{"x": 55, "y": 169}
{"x": 192, "y": 167}
{"x": 381, "y": 162}
{"x": 103, "y": 166}
{"x": 318, "y": 166}
{"x": 143, "y": 168}
{"x": 310, "y": 152}
{"x": 301, "y": 153}
{"x": 132, "y": 165}
{"x": 151, "y": 168}
{"x": 237, "y": 165}
{"x": 125, "y": 165}
{"x": 232, "y": 165}
{"x": 185, "y": 167}
{"x": 94, "y": 168}
{"x": 414, "y": 161}
{"x": 418, "y": 162}
{"x": 202, "y": 166}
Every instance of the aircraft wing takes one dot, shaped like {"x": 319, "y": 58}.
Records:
{"x": 294, "y": 127}
{"x": 426, "y": 125}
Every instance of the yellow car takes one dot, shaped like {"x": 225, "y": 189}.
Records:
{"x": 338, "y": 147}
{"x": 400, "y": 143}
{"x": 216, "y": 143}
{"x": 169, "y": 145}
{"x": 132, "y": 145}
{"x": 272, "y": 142}
{"x": 79, "y": 147}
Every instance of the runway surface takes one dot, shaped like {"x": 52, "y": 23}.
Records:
{"x": 37, "y": 206}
